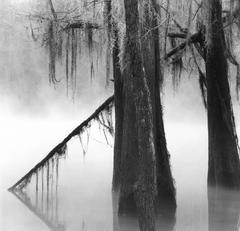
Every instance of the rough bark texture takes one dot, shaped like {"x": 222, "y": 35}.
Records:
{"x": 151, "y": 57}
{"x": 224, "y": 167}
{"x": 119, "y": 105}
{"x": 129, "y": 155}
{"x": 144, "y": 163}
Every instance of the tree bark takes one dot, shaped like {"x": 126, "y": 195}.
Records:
{"x": 150, "y": 61}
{"x": 224, "y": 167}
{"x": 143, "y": 187}
{"x": 119, "y": 105}
{"x": 151, "y": 58}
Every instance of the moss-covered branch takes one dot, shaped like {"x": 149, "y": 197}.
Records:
{"x": 60, "y": 148}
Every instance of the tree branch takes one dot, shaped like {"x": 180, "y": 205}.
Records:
{"x": 62, "y": 145}
{"x": 232, "y": 16}
{"x": 177, "y": 35}
{"x": 81, "y": 25}
{"x": 192, "y": 39}
{"x": 197, "y": 36}
{"x": 53, "y": 10}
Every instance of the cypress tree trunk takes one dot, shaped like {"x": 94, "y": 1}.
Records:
{"x": 119, "y": 105}
{"x": 143, "y": 174}
{"x": 113, "y": 36}
{"x": 129, "y": 155}
{"x": 224, "y": 167}
{"x": 151, "y": 57}
{"x": 150, "y": 53}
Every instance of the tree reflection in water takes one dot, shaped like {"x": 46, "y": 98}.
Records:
{"x": 51, "y": 221}
{"x": 166, "y": 218}
{"x": 223, "y": 210}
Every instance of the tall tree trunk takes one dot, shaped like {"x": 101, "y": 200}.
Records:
{"x": 151, "y": 57}
{"x": 151, "y": 62}
{"x": 224, "y": 167}
{"x": 129, "y": 155}
{"x": 119, "y": 105}
{"x": 144, "y": 186}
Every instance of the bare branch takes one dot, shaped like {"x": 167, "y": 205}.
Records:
{"x": 80, "y": 24}
{"x": 53, "y": 10}
{"x": 177, "y": 35}
{"x": 192, "y": 39}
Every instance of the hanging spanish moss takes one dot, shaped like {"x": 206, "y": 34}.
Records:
{"x": 105, "y": 121}
{"x": 230, "y": 54}
{"x": 64, "y": 33}
{"x": 32, "y": 33}
{"x": 67, "y": 58}
{"x": 60, "y": 46}
{"x": 84, "y": 140}
{"x": 176, "y": 65}
{"x": 202, "y": 84}
{"x": 89, "y": 39}
{"x": 167, "y": 15}
{"x": 92, "y": 24}
{"x": 56, "y": 189}
{"x": 201, "y": 78}
{"x": 238, "y": 81}
{"x": 74, "y": 62}
{"x": 42, "y": 191}
{"x": 103, "y": 114}
{"x": 47, "y": 179}
{"x": 37, "y": 188}
{"x": 188, "y": 28}
{"x": 52, "y": 54}
{"x": 41, "y": 214}
{"x": 52, "y": 187}
{"x": 228, "y": 117}
{"x": 108, "y": 24}
{"x": 48, "y": 169}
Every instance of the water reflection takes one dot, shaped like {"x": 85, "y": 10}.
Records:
{"x": 130, "y": 223}
{"x": 223, "y": 210}
{"x": 47, "y": 211}
{"x": 78, "y": 191}
{"x": 70, "y": 199}
{"x": 39, "y": 192}
{"x": 41, "y": 214}
{"x": 165, "y": 220}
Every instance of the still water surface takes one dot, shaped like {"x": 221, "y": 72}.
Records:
{"x": 84, "y": 200}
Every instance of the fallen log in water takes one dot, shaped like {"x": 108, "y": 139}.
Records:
{"x": 61, "y": 147}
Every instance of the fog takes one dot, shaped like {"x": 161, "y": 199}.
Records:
{"x": 35, "y": 116}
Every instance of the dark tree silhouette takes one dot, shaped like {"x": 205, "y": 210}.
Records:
{"x": 224, "y": 166}
{"x": 125, "y": 165}
{"x": 213, "y": 43}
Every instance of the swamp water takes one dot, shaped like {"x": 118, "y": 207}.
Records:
{"x": 80, "y": 197}
{"x": 77, "y": 195}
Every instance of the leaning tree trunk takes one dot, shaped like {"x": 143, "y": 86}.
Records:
{"x": 224, "y": 167}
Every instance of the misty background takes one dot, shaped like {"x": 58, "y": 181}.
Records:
{"x": 35, "y": 116}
